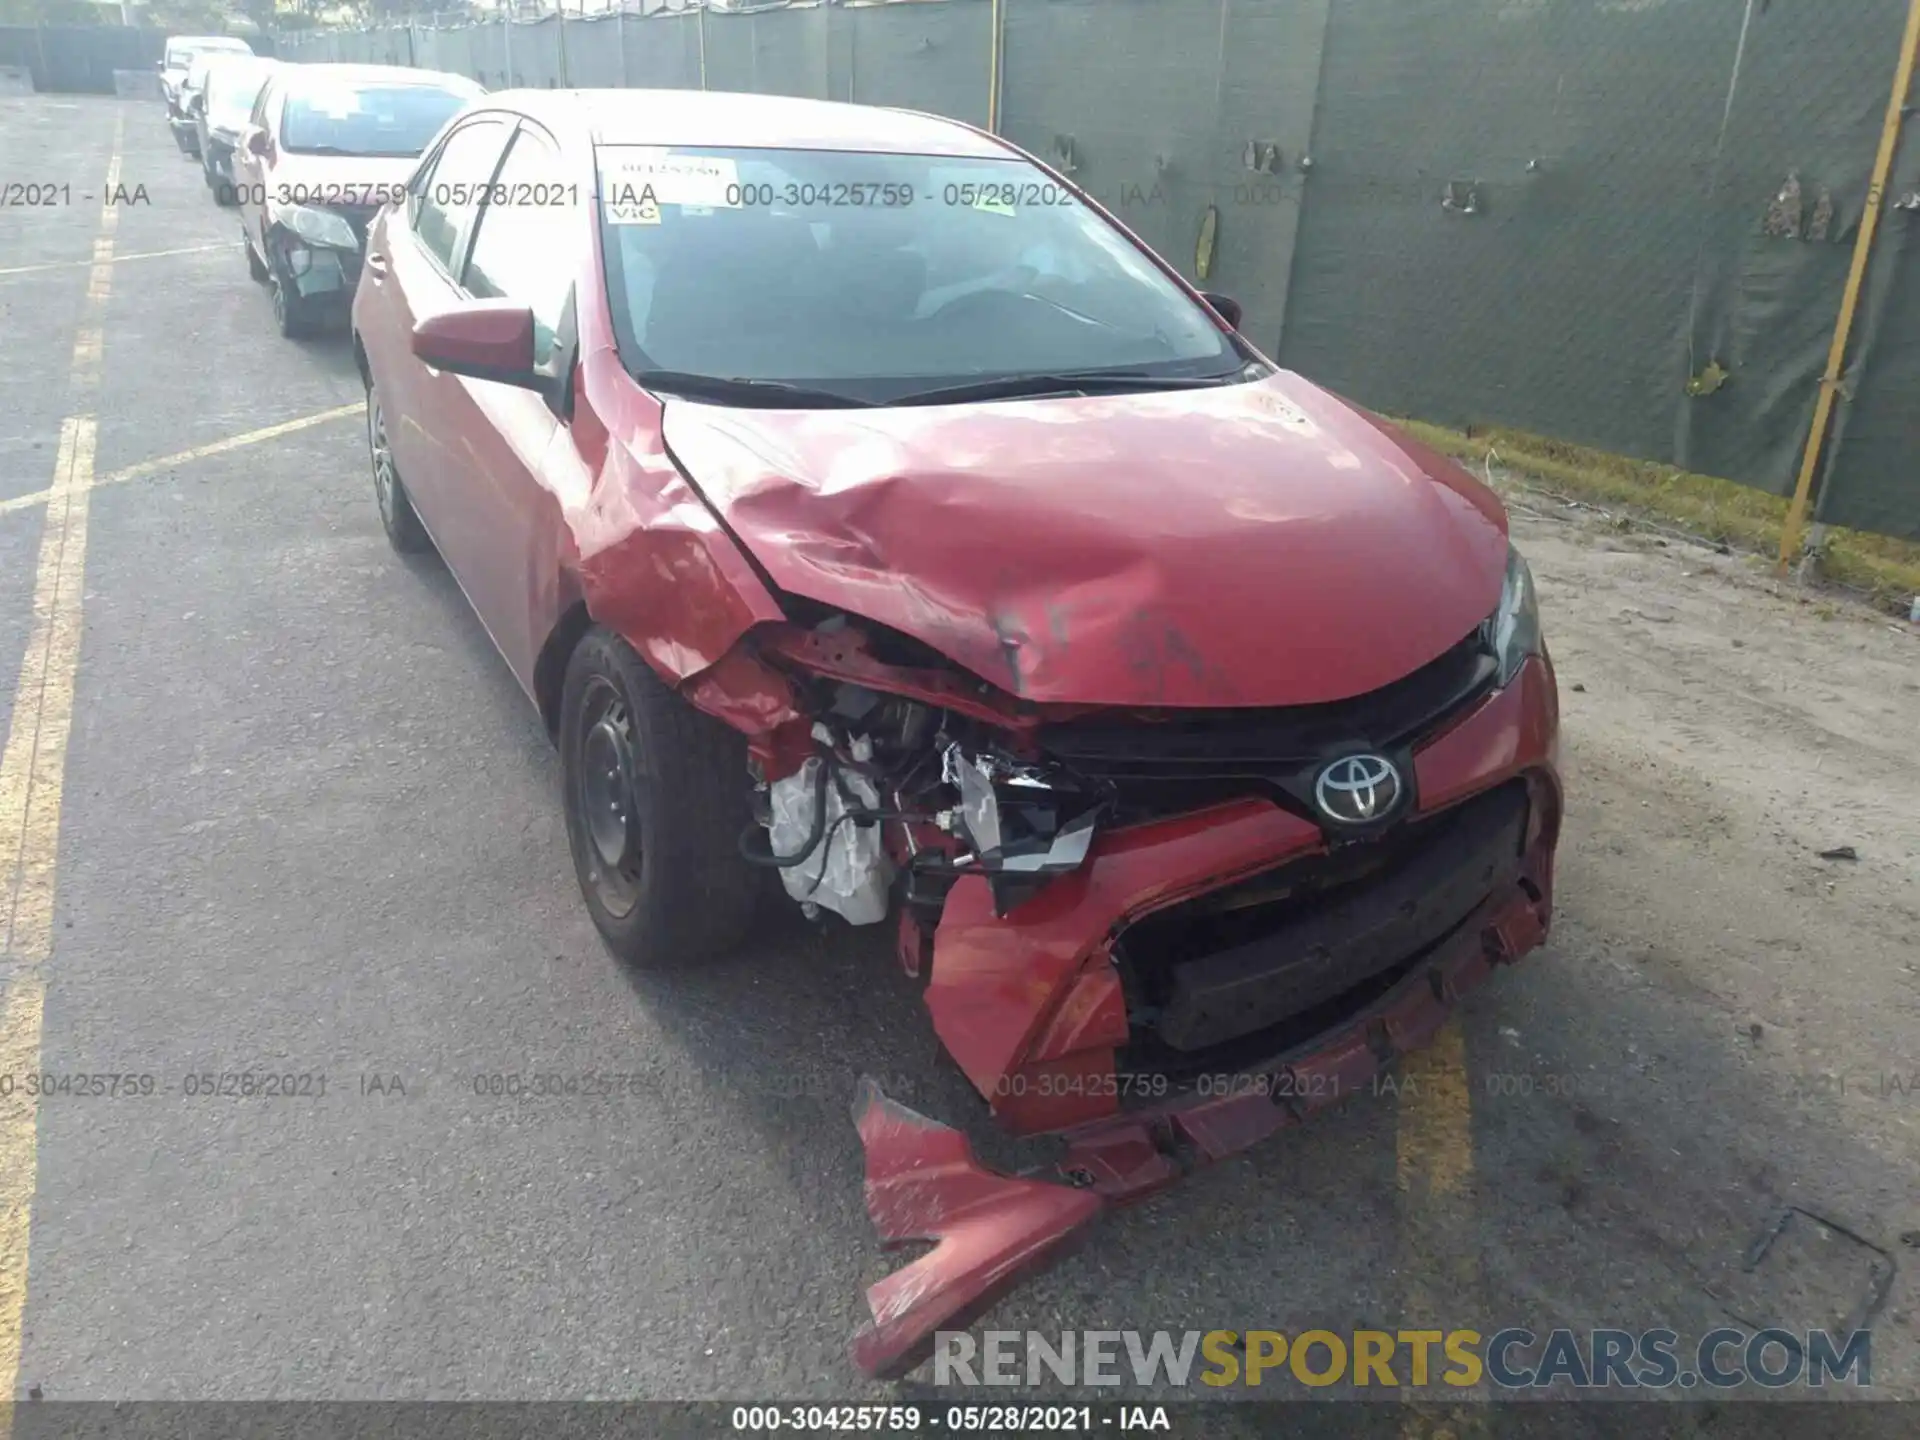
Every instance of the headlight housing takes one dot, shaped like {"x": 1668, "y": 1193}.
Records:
{"x": 1026, "y": 823}
{"x": 319, "y": 227}
{"x": 1512, "y": 632}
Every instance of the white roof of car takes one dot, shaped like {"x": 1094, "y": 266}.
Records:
{"x": 333, "y": 74}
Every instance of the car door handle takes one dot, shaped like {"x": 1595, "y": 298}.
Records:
{"x": 376, "y": 266}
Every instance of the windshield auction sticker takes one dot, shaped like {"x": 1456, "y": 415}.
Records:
{"x": 636, "y": 180}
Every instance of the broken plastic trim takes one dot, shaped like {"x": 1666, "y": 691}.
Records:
{"x": 990, "y": 1230}
{"x": 1025, "y": 822}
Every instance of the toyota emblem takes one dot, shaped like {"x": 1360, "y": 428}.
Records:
{"x": 1357, "y": 789}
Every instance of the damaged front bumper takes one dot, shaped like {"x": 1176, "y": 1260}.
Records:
{"x": 992, "y": 1230}
{"x": 322, "y": 274}
{"x": 1064, "y": 1031}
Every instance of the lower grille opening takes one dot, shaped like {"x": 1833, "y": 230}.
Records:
{"x": 1236, "y": 977}
{"x": 1255, "y": 1053}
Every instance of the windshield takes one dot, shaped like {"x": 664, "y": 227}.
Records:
{"x": 231, "y": 90}
{"x": 367, "y": 119}
{"x": 876, "y": 276}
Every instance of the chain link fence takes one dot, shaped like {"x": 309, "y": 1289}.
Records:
{"x": 1621, "y": 223}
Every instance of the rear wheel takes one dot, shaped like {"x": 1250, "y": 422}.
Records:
{"x": 397, "y": 515}
{"x": 656, "y": 801}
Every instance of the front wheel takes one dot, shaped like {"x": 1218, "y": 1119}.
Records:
{"x": 292, "y": 315}
{"x": 256, "y": 267}
{"x": 656, "y": 801}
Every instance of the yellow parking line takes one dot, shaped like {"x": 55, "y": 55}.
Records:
{"x": 1434, "y": 1142}
{"x": 199, "y": 452}
{"x": 12, "y": 270}
{"x": 32, "y": 775}
{"x": 32, "y": 764}
{"x": 1434, "y": 1166}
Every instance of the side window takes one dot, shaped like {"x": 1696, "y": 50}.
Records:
{"x": 449, "y": 194}
{"x": 524, "y": 235}
{"x": 260, "y": 104}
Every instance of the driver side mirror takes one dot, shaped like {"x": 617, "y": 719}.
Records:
{"x": 483, "y": 340}
{"x": 1225, "y": 306}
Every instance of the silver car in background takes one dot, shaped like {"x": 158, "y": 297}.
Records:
{"x": 175, "y": 63}
{"x": 220, "y": 111}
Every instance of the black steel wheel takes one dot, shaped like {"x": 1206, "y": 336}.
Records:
{"x": 656, "y": 800}
{"x": 293, "y": 316}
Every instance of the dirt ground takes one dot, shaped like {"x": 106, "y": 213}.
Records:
{"x": 1722, "y": 729}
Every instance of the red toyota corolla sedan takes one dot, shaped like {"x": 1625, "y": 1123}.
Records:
{"x": 864, "y": 507}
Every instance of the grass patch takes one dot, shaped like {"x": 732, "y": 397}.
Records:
{"x": 1885, "y": 570}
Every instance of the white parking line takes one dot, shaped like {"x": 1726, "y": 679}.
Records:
{"x": 14, "y": 270}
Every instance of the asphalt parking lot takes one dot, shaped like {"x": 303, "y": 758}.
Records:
{"x": 304, "y": 823}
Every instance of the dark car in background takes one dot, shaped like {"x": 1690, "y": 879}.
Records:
{"x": 175, "y": 65}
{"x": 326, "y": 146}
{"x": 220, "y": 110}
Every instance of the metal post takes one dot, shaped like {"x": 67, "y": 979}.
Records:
{"x": 1850, "y": 297}
{"x": 562, "y": 6}
{"x": 999, "y": 24}
{"x": 506, "y": 36}
{"x": 703, "y": 43}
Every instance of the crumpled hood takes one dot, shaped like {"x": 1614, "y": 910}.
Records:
{"x": 1261, "y": 544}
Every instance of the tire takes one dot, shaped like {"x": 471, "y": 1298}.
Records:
{"x": 292, "y": 315}
{"x": 682, "y": 778}
{"x": 256, "y": 267}
{"x": 397, "y": 516}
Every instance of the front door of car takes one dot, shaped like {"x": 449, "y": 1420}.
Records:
{"x": 502, "y": 520}
{"x": 409, "y": 272}
{"x": 249, "y": 169}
